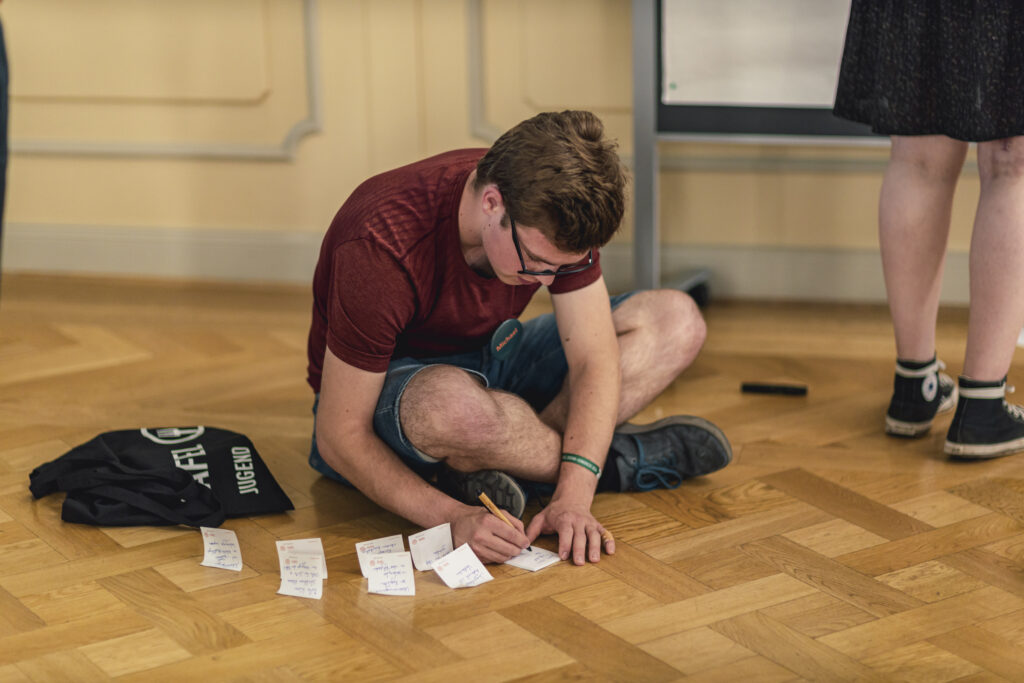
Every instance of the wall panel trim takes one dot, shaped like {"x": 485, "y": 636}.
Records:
{"x": 285, "y": 151}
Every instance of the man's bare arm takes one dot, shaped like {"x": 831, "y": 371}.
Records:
{"x": 592, "y": 351}
{"x": 348, "y": 444}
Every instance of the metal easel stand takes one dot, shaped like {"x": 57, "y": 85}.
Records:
{"x": 646, "y": 237}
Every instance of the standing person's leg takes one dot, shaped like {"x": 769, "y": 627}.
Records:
{"x": 913, "y": 229}
{"x": 997, "y": 261}
{"x": 4, "y": 83}
{"x": 984, "y": 426}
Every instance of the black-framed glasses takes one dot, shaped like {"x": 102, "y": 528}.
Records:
{"x": 562, "y": 270}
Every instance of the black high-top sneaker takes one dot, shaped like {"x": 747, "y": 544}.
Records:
{"x": 985, "y": 425}
{"x": 919, "y": 391}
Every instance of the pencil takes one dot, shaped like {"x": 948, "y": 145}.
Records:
{"x": 498, "y": 513}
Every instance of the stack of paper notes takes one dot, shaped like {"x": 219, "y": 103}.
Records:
{"x": 534, "y": 559}
{"x": 303, "y": 567}
{"x": 220, "y": 549}
{"x": 387, "y": 566}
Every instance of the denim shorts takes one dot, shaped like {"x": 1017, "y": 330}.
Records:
{"x": 534, "y": 371}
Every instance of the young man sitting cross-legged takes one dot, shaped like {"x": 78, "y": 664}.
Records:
{"x": 423, "y": 400}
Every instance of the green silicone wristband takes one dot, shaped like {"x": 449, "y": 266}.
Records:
{"x": 582, "y": 462}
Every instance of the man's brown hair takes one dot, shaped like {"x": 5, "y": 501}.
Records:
{"x": 557, "y": 172}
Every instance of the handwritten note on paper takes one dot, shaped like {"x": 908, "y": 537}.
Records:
{"x": 303, "y": 545}
{"x": 461, "y": 568}
{"x": 534, "y": 561}
{"x": 391, "y": 574}
{"x": 430, "y": 546}
{"x": 220, "y": 549}
{"x": 301, "y": 575}
{"x": 364, "y": 549}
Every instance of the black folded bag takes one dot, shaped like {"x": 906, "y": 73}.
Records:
{"x": 194, "y": 476}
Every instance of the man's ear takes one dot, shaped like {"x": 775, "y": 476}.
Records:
{"x": 491, "y": 201}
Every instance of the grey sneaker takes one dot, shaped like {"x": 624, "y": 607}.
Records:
{"x": 501, "y": 488}
{"x": 662, "y": 454}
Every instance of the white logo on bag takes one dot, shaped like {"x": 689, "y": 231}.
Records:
{"x": 930, "y": 387}
{"x": 172, "y": 435}
{"x": 193, "y": 461}
{"x": 244, "y": 473}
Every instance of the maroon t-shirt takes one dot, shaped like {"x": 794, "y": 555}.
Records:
{"x": 392, "y": 280}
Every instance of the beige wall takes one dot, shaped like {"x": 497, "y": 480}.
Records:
{"x": 216, "y": 138}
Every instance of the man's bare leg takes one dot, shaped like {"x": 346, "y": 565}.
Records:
{"x": 660, "y": 333}
{"x": 449, "y": 414}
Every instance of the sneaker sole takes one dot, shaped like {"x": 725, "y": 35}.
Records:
{"x": 500, "y": 487}
{"x": 690, "y": 420}
{"x": 504, "y": 491}
{"x": 912, "y": 430}
{"x": 895, "y": 427}
{"x": 983, "y": 451}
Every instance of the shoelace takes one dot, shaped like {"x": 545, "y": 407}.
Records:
{"x": 1015, "y": 411}
{"x": 649, "y": 476}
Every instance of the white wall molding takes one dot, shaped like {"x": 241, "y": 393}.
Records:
{"x": 285, "y": 151}
{"x": 239, "y": 255}
{"x": 479, "y": 126}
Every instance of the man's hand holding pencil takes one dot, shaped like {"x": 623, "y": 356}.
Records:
{"x": 493, "y": 536}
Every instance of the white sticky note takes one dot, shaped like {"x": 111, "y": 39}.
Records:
{"x": 301, "y": 575}
{"x": 304, "y": 545}
{"x": 390, "y": 544}
{"x": 391, "y": 574}
{"x": 534, "y": 561}
{"x": 461, "y": 568}
{"x": 431, "y": 545}
{"x": 220, "y": 549}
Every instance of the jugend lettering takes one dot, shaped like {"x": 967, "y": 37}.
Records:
{"x": 188, "y": 459}
{"x": 244, "y": 475}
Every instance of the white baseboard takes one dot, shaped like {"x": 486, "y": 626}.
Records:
{"x": 782, "y": 273}
{"x": 187, "y": 253}
{"x": 288, "y": 257}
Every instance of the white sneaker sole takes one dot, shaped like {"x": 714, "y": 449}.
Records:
{"x": 983, "y": 451}
{"x": 901, "y": 428}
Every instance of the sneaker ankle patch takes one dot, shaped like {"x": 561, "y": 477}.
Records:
{"x": 930, "y": 387}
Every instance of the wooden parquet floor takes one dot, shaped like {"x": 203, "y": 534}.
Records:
{"x": 825, "y": 552}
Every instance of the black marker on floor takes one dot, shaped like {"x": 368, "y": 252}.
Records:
{"x": 767, "y": 388}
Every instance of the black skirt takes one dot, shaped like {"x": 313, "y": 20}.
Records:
{"x": 935, "y": 67}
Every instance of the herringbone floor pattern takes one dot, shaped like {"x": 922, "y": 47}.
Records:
{"x": 826, "y": 552}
